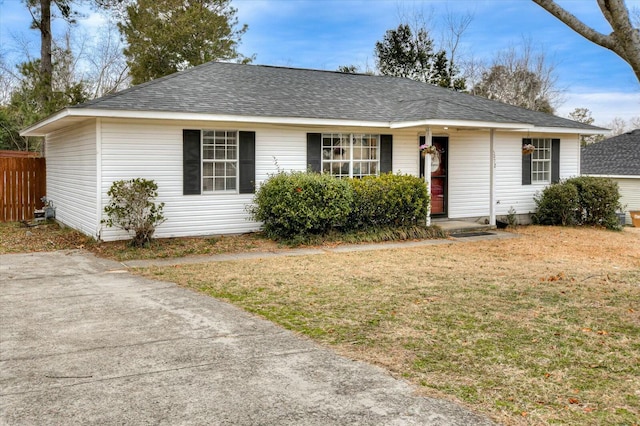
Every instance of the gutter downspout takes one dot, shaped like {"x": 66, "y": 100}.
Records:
{"x": 492, "y": 179}
{"x": 428, "y": 140}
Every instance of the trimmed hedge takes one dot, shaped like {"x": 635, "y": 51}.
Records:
{"x": 583, "y": 200}
{"x": 293, "y": 206}
{"x": 388, "y": 200}
{"x": 301, "y": 204}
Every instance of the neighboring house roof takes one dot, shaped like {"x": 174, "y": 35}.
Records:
{"x": 616, "y": 156}
{"x": 229, "y": 89}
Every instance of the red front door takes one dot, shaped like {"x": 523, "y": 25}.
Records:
{"x": 439, "y": 162}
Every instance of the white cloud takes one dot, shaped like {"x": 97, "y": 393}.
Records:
{"x": 604, "y": 106}
{"x": 93, "y": 21}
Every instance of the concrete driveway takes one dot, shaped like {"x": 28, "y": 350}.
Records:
{"x": 84, "y": 342}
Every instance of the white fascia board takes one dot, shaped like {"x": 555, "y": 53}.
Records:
{"x": 569, "y": 130}
{"x": 187, "y": 116}
{"x": 613, "y": 176}
{"x": 461, "y": 123}
{"x": 33, "y": 129}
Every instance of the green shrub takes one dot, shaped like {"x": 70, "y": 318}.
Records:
{"x": 297, "y": 204}
{"x": 132, "y": 208}
{"x": 388, "y": 200}
{"x": 599, "y": 200}
{"x": 558, "y": 204}
{"x": 582, "y": 200}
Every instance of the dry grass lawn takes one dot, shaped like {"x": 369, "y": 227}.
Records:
{"x": 541, "y": 329}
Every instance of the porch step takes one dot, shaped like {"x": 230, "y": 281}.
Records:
{"x": 461, "y": 227}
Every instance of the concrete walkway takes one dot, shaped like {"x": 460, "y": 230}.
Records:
{"x": 82, "y": 341}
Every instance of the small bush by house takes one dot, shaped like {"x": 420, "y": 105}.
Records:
{"x": 599, "y": 201}
{"x": 558, "y": 204}
{"x": 133, "y": 209}
{"x": 581, "y": 200}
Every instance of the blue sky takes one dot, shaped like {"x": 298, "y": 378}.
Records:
{"x": 325, "y": 34}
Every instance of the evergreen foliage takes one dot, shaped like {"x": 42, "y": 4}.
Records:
{"x": 404, "y": 54}
{"x": 584, "y": 200}
{"x": 167, "y": 36}
{"x": 297, "y": 206}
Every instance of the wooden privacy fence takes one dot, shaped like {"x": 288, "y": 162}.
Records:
{"x": 22, "y": 185}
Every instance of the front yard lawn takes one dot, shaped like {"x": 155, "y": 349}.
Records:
{"x": 541, "y": 329}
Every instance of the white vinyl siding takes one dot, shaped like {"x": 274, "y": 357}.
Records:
{"x": 153, "y": 150}
{"x": 71, "y": 176}
{"x": 468, "y": 174}
{"x": 509, "y": 189}
{"x": 629, "y": 195}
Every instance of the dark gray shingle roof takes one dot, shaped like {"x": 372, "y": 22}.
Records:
{"x": 258, "y": 90}
{"x": 619, "y": 155}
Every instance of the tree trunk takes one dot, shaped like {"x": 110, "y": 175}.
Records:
{"x": 46, "y": 67}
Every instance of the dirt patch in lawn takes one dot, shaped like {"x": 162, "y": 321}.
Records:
{"x": 534, "y": 330}
{"x": 17, "y": 238}
{"x": 48, "y": 236}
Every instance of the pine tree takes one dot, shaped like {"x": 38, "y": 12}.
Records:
{"x": 166, "y": 36}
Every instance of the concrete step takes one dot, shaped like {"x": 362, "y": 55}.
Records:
{"x": 461, "y": 227}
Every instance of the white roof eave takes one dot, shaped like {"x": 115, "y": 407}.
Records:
{"x": 69, "y": 116}
{"x": 43, "y": 127}
{"x": 461, "y": 124}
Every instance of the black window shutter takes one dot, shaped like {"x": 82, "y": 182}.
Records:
{"x": 421, "y": 141}
{"x": 314, "y": 152}
{"x": 191, "y": 179}
{"x": 555, "y": 160}
{"x": 526, "y": 165}
{"x": 386, "y": 153}
{"x": 247, "y": 159}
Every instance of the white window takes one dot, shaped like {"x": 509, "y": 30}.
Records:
{"x": 219, "y": 160}
{"x": 541, "y": 161}
{"x": 350, "y": 155}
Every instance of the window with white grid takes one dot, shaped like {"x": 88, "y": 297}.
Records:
{"x": 350, "y": 155}
{"x": 541, "y": 161}
{"x": 219, "y": 160}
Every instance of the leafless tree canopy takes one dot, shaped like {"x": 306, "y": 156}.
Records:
{"x": 520, "y": 76}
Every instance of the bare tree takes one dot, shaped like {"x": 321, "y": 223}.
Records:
{"x": 624, "y": 40}
{"x": 8, "y": 81}
{"x": 522, "y": 77}
{"x": 456, "y": 25}
{"x": 618, "y": 126}
{"x": 635, "y": 123}
{"x": 583, "y": 115}
{"x": 106, "y": 69}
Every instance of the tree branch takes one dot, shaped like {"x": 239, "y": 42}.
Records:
{"x": 577, "y": 25}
